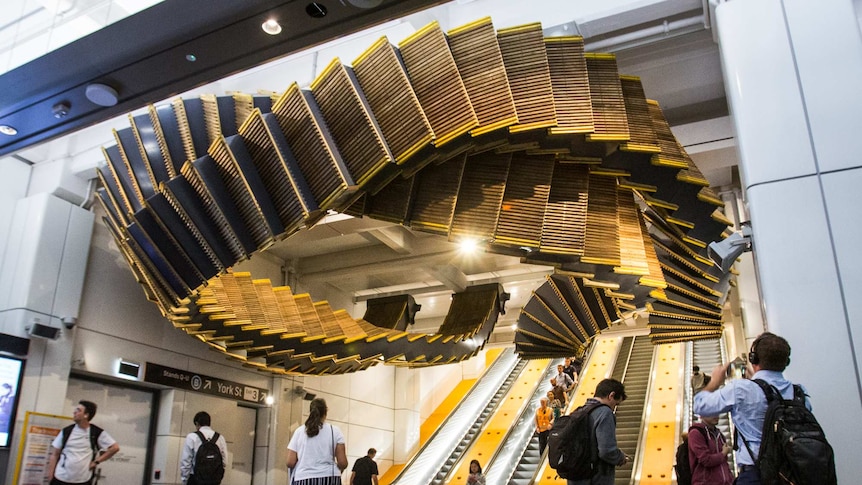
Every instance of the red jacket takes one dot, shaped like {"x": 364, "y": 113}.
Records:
{"x": 708, "y": 464}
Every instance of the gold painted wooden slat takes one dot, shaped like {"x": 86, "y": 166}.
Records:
{"x": 571, "y": 85}
{"x": 316, "y": 153}
{"x": 522, "y": 211}
{"x": 281, "y": 185}
{"x": 671, "y": 154}
{"x": 606, "y": 95}
{"x": 212, "y": 120}
{"x": 477, "y": 55}
{"x": 240, "y": 191}
{"x": 633, "y": 258}
{"x": 130, "y": 172}
{"x": 349, "y": 121}
{"x": 436, "y": 193}
{"x": 602, "y": 245}
{"x": 190, "y": 173}
{"x": 437, "y": 84}
{"x": 565, "y": 224}
{"x": 523, "y": 51}
{"x": 393, "y": 102}
{"x": 185, "y": 129}
{"x": 643, "y": 138}
{"x": 477, "y": 206}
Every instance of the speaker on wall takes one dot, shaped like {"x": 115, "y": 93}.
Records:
{"x": 43, "y": 331}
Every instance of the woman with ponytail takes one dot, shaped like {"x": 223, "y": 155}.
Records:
{"x": 316, "y": 454}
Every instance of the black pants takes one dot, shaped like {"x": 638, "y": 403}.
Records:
{"x": 54, "y": 481}
{"x": 192, "y": 481}
{"x": 543, "y": 440}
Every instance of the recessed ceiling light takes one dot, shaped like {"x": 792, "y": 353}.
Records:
{"x": 8, "y": 130}
{"x": 271, "y": 27}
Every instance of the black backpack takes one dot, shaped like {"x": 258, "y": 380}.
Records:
{"x": 570, "y": 444}
{"x": 683, "y": 467}
{"x": 209, "y": 465}
{"x": 793, "y": 448}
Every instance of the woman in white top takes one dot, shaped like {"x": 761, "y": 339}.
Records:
{"x": 316, "y": 454}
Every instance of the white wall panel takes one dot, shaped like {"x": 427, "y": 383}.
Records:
{"x": 828, "y": 50}
{"x": 803, "y": 303}
{"x": 843, "y": 199}
{"x": 375, "y": 386}
{"x": 763, "y": 92}
{"x": 13, "y": 186}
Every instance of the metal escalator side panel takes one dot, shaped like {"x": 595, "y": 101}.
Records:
{"x": 421, "y": 468}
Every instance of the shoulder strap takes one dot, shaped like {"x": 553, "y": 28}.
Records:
{"x": 798, "y": 393}
{"x": 702, "y": 431}
{"x": 768, "y": 389}
{"x": 95, "y": 432}
{"x": 201, "y": 436}
{"x": 215, "y": 437}
{"x": 745, "y": 442}
{"x": 67, "y": 432}
{"x": 595, "y": 405}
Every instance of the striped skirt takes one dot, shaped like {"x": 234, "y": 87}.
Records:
{"x": 319, "y": 481}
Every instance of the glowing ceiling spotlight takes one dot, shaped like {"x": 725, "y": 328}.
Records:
{"x": 468, "y": 245}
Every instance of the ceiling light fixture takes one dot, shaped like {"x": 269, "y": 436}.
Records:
{"x": 8, "y": 130}
{"x": 271, "y": 27}
{"x": 468, "y": 246}
{"x": 102, "y": 94}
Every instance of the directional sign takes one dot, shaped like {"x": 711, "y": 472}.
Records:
{"x": 190, "y": 381}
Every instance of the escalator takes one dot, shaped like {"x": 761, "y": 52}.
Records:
{"x": 633, "y": 368}
{"x": 476, "y": 427}
{"x": 518, "y": 454}
{"x": 532, "y": 468}
{"x": 707, "y": 354}
{"x": 427, "y": 465}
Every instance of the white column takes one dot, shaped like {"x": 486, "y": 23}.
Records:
{"x": 792, "y": 70}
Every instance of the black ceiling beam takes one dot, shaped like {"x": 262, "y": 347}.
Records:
{"x": 143, "y": 57}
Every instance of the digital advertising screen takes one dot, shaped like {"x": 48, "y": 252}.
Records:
{"x": 11, "y": 371}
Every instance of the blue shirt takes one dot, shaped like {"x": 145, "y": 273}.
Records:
{"x": 747, "y": 405}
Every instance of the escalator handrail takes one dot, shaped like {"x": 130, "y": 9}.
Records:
{"x": 481, "y": 381}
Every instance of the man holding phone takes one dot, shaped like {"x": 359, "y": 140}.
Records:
{"x": 744, "y": 399}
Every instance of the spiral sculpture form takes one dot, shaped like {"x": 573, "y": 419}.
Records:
{"x": 529, "y": 144}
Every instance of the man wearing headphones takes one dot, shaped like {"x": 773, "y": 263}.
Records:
{"x": 769, "y": 356}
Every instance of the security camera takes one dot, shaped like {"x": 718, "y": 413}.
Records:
{"x": 69, "y": 322}
{"x": 61, "y": 109}
{"x": 724, "y": 253}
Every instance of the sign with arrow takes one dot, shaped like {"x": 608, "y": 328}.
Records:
{"x": 190, "y": 381}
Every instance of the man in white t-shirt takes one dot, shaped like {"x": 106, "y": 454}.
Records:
{"x": 75, "y": 461}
